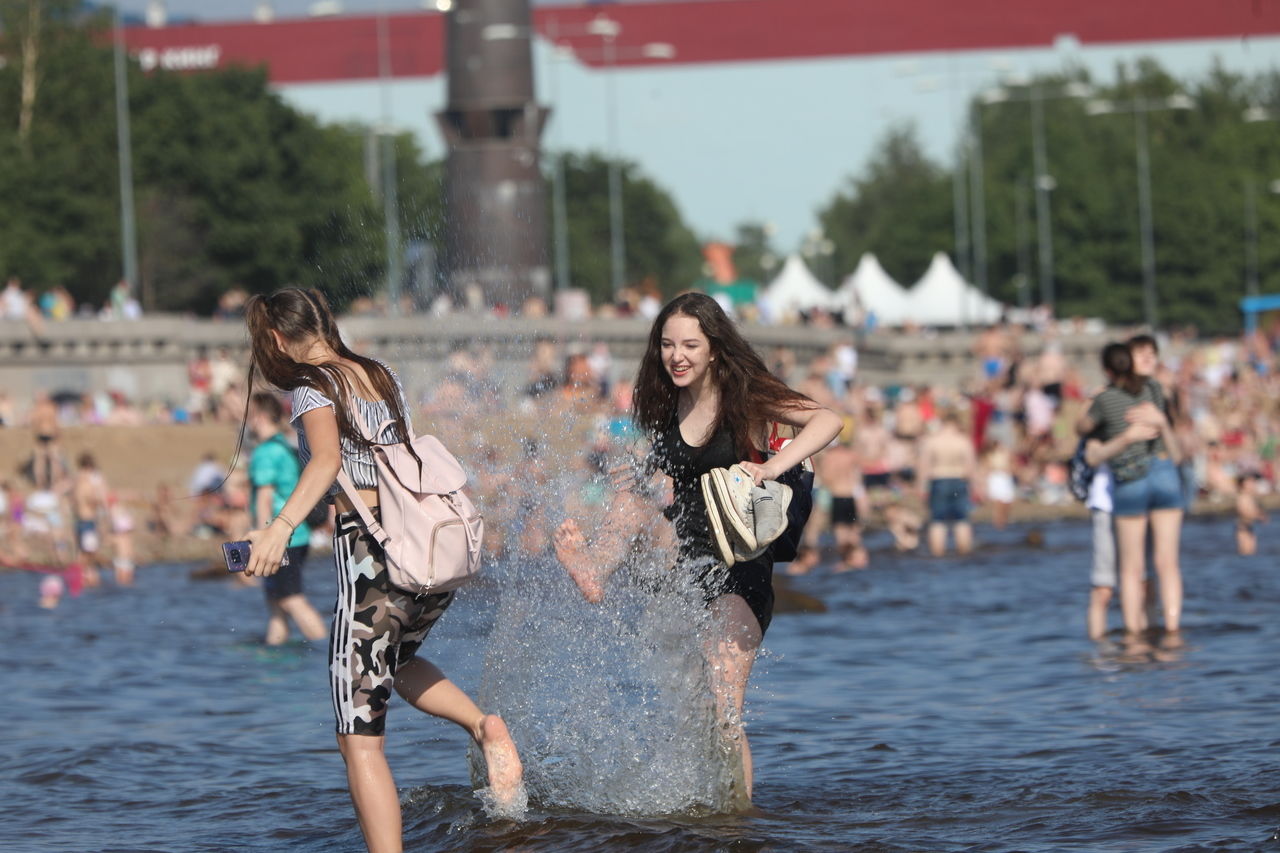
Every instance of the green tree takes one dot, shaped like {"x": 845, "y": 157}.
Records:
{"x": 659, "y": 245}
{"x": 233, "y": 185}
{"x": 754, "y": 255}
{"x": 898, "y": 207}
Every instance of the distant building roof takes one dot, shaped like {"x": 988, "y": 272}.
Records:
{"x": 344, "y": 47}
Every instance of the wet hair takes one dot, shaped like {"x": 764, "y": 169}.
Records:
{"x": 1117, "y": 361}
{"x": 750, "y": 396}
{"x": 298, "y": 315}
{"x": 269, "y": 405}
{"x": 1143, "y": 340}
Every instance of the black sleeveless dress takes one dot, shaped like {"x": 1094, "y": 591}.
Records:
{"x": 685, "y": 464}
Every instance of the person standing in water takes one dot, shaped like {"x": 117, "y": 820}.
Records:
{"x": 706, "y": 400}
{"x": 89, "y": 504}
{"x": 273, "y": 471}
{"x": 947, "y": 467}
{"x": 838, "y": 471}
{"x": 377, "y": 628}
{"x": 1146, "y": 490}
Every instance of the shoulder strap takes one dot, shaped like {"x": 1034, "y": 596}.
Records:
{"x": 362, "y": 509}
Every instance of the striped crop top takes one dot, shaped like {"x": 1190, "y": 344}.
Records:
{"x": 356, "y": 461}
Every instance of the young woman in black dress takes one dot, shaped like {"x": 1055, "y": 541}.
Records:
{"x": 706, "y": 400}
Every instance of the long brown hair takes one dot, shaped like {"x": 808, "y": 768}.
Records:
{"x": 750, "y": 396}
{"x": 1117, "y": 362}
{"x": 297, "y": 315}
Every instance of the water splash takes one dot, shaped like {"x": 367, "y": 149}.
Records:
{"x": 498, "y": 809}
{"x": 609, "y": 703}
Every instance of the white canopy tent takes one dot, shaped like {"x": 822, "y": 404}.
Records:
{"x": 796, "y": 289}
{"x": 870, "y": 290}
{"x": 943, "y": 298}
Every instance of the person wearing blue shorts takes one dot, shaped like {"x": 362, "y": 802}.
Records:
{"x": 1146, "y": 491}
{"x": 948, "y": 464}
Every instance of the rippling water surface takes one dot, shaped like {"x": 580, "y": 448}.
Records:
{"x": 936, "y": 705}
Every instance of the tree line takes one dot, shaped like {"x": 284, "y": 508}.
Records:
{"x": 1214, "y": 163}
{"x": 234, "y": 186}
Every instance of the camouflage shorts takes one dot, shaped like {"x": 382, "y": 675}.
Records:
{"x": 376, "y": 628}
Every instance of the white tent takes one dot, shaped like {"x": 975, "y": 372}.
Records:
{"x": 869, "y": 290}
{"x": 796, "y": 289}
{"x": 943, "y": 298}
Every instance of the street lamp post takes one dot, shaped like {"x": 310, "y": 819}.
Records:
{"x": 390, "y": 195}
{"x": 1253, "y": 115}
{"x": 1252, "y": 264}
{"x": 608, "y": 30}
{"x": 559, "y": 210}
{"x": 1042, "y": 183}
{"x": 124, "y": 143}
{"x": 1140, "y": 107}
{"x": 979, "y": 196}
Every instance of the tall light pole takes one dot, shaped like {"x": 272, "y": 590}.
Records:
{"x": 559, "y": 209}
{"x": 608, "y": 30}
{"x": 979, "y": 197}
{"x": 124, "y": 145}
{"x": 390, "y": 194}
{"x": 1140, "y": 107}
{"x": 1251, "y": 231}
{"x": 1042, "y": 182}
{"x": 1253, "y": 115}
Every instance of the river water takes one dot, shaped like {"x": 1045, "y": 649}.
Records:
{"x": 937, "y": 705}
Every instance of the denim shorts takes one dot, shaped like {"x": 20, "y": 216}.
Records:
{"x": 949, "y": 499}
{"x": 1159, "y": 488}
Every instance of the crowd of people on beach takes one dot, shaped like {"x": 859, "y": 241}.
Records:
{"x": 1018, "y": 409}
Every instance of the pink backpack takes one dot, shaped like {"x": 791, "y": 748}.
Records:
{"x": 431, "y": 531}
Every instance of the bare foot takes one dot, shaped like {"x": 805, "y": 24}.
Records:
{"x": 571, "y": 551}
{"x": 502, "y": 761}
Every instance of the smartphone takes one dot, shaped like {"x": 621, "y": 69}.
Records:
{"x": 236, "y": 555}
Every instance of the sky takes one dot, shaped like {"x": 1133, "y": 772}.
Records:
{"x": 765, "y": 142}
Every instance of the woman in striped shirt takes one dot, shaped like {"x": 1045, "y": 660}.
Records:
{"x": 377, "y": 628}
{"x": 1146, "y": 487}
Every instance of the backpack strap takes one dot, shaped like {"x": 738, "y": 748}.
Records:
{"x": 362, "y": 509}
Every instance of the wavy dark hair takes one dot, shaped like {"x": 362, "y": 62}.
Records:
{"x": 297, "y": 315}
{"x": 750, "y": 396}
{"x": 1117, "y": 361}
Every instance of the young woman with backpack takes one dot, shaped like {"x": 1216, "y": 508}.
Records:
{"x": 706, "y": 400}
{"x": 338, "y": 397}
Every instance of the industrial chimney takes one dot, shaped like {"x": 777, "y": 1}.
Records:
{"x": 495, "y": 197}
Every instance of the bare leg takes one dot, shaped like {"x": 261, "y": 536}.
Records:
{"x": 304, "y": 616}
{"x": 1002, "y": 510}
{"x": 964, "y": 537}
{"x": 1246, "y": 541}
{"x": 1166, "y": 527}
{"x": 571, "y": 550}
{"x": 422, "y": 684}
{"x": 731, "y": 652}
{"x": 1131, "y": 536}
{"x": 937, "y": 538}
{"x": 277, "y": 625}
{"x": 1099, "y": 598}
{"x": 373, "y": 792}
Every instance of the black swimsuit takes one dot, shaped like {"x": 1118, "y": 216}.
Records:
{"x": 685, "y": 464}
